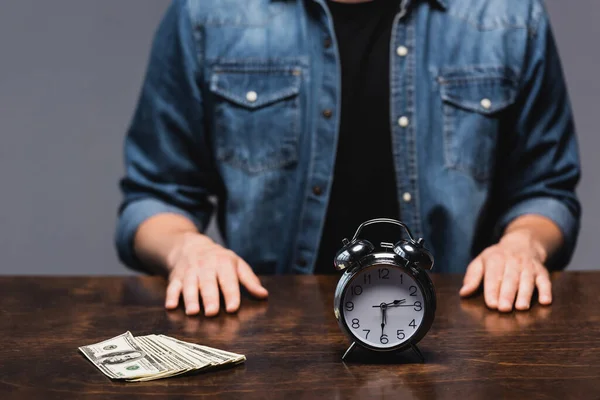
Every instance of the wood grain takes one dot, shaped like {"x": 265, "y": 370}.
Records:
{"x": 294, "y": 346}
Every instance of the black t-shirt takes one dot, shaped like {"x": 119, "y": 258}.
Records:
{"x": 364, "y": 182}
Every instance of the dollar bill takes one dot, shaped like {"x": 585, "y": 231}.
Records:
{"x": 122, "y": 358}
{"x": 219, "y": 357}
{"x": 173, "y": 367}
{"x": 150, "y": 357}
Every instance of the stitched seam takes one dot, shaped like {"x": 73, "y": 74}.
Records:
{"x": 490, "y": 27}
{"x": 411, "y": 101}
{"x": 284, "y": 65}
{"x": 480, "y": 79}
{"x": 477, "y": 71}
{"x": 266, "y": 100}
{"x": 474, "y": 106}
{"x": 396, "y": 134}
{"x": 295, "y": 73}
{"x": 448, "y": 123}
{"x": 241, "y": 21}
{"x": 311, "y": 132}
{"x": 447, "y": 84}
{"x": 338, "y": 108}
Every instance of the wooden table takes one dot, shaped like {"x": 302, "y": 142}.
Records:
{"x": 294, "y": 346}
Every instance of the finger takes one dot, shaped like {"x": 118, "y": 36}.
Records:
{"x": 230, "y": 286}
{"x": 526, "y": 286}
{"x": 209, "y": 290}
{"x": 250, "y": 281}
{"x": 493, "y": 272}
{"x": 173, "y": 293}
{"x": 472, "y": 278}
{"x": 190, "y": 293}
{"x": 542, "y": 281}
{"x": 509, "y": 285}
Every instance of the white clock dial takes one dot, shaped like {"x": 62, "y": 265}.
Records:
{"x": 383, "y": 306}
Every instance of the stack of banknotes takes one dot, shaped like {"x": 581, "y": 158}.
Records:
{"x": 146, "y": 358}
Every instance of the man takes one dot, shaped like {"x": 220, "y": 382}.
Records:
{"x": 304, "y": 118}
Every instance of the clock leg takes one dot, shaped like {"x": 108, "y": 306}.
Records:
{"x": 349, "y": 350}
{"x": 417, "y": 352}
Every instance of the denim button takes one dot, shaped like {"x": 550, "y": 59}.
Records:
{"x": 402, "y": 51}
{"x": 403, "y": 122}
{"x": 251, "y": 96}
{"x": 327, "y": 113}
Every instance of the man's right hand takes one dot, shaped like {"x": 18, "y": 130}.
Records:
{"x": 199, "y": 266}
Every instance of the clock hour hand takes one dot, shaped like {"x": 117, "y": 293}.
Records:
{"x": 396, "y": 303}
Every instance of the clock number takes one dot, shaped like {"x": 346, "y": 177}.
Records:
{"x": 413, "y": 290}
{"x": 349, "y": 306}
{"x": 402, "y": 279}
{"x": 418, "y": 306}
{"x": 367, "y": 279}
{"x": 357, "y": 290}
{"x": 413, "y": 324}
{"x": 368, "y": 331}
{"x": 355, "y": 323}
{"x": 384, "y": 273}
{"x": 400, "y": 334}
{"x": 384, "y": 339}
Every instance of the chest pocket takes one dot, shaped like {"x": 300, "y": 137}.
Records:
{"x": 257, "y": 116}
{"x": 474, "y": 101}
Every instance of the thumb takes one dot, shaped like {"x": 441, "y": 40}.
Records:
{"x": 473, "y": 277}
{"x": 250, "y": 281}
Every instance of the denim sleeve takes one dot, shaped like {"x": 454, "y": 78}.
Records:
{"x": 542, "y": 170}
{"x": 168, "y": 167}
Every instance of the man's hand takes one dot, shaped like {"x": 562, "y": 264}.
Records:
{"x": 510, "y": 270}
{"x": 198, "y": 265}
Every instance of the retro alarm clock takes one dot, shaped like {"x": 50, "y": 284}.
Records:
{"x": 385, "y": 300}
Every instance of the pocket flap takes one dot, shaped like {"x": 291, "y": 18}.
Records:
{"x": 256, "y": 88}
{"x": 483, "y": 90}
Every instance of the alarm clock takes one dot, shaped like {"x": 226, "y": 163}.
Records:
{"x": 385, "y": 300}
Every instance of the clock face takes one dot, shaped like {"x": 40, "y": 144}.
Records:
{"x": 383, "y": 306}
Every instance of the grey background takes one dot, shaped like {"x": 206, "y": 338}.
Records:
{"x": 70, "y": 72}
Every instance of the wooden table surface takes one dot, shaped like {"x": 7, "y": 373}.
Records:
{"x": 293, "y": 344}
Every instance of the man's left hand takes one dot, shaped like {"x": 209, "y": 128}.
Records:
{"x": 510, "y": 271}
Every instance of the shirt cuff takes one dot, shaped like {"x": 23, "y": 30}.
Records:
{"x": 132, "y": 217}
{"x": 554, "y": 210}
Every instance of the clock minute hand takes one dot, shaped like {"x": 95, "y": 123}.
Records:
{"x": 383, "y": 318}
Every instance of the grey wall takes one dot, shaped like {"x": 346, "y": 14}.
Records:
{"x": 578, "y": 35}
{"x": 70, "y": 72}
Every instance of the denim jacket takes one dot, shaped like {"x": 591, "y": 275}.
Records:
{"x": 241, "y": 102}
